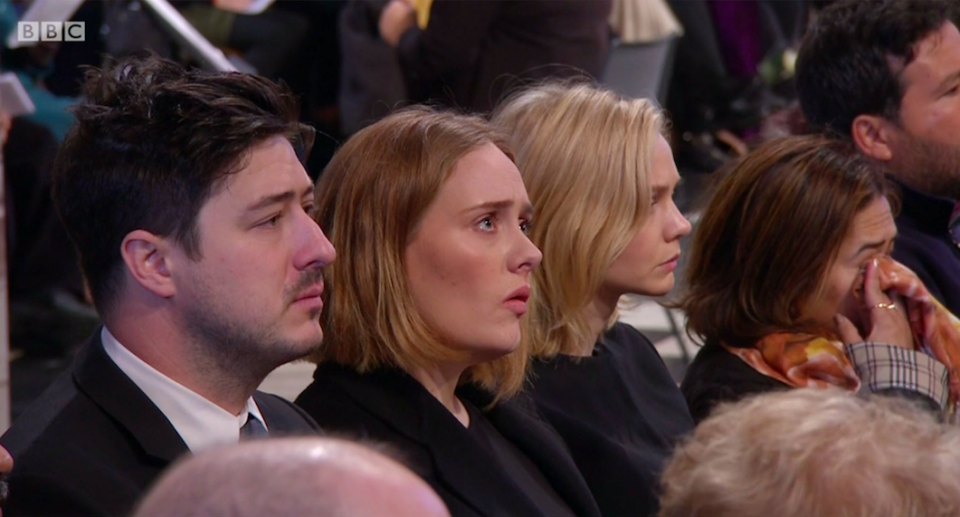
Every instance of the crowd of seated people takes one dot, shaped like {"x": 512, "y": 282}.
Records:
{"x": 455, "y": 277}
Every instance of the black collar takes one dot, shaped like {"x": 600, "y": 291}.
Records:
{"x": 930, "y": 214}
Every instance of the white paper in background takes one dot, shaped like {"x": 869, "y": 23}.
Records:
{"x": 13, "y": 97}
{"x": 45, "y": 11}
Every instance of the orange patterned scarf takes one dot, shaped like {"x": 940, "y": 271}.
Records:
{"x": 801, "y": 360}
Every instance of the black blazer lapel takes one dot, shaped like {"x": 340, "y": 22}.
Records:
{"x": 466, "y": 469}
{"x": 519, "y": 422}
{"x": 410, "y": 410}
{"x": 100, "y": 379}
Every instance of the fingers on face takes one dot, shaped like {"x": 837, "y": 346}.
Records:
{"x": 872, "y": 295}
{"x": 848, "y": 331}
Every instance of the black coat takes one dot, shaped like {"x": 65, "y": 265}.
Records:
{"x": 717, "y": 376}
{"x": 390, "y": 406}
{"x": 620, "y": 413}
{"x": 474, "y": 51}
{"x": 93, "y": 442}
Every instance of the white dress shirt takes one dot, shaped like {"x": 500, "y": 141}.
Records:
{"x": 199, "y": 422}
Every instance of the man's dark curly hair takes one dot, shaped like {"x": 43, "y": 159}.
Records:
{"x": 151, "y": 143}
{"x": 844, "y": 68}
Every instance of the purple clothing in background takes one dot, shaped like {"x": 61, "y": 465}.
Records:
{"x": 738, "y": 28}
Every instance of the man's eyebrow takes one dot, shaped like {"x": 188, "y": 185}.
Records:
{"x": 278, "y": 198}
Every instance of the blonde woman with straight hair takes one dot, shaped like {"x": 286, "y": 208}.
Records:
{"x": 423, "y": 347}
{"x": 601, "y": 177}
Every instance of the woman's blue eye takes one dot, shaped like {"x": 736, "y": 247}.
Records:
{"x": 486, "y": 223}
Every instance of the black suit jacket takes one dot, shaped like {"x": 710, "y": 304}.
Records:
{"x": 475, "y": 51}
{"x": 390, "y": 406}
{"x": 93, "y": 442}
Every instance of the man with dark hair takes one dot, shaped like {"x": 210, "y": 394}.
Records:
{"x": 188, "y": 205}
{"x": 885, "y": 74}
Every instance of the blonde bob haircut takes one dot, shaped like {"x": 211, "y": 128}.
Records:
{"x": 585, "y": 154}
{"x": 370, "y": 201}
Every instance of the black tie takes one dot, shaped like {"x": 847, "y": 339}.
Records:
{"x": 253, "y": 429}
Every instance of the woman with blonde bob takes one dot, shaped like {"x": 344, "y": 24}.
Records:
{"x": 423, "y": 347}
{"x": 601, "y": 177}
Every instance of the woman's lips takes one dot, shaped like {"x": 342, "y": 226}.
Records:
{"x": 671, "y": 264}
{"x": 517, "y": 301}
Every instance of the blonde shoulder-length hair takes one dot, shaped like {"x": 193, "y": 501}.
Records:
{"x": 585, "y": 154}
{"x": 369, "y": 200}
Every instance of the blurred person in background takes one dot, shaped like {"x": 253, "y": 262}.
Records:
{"x": 734, "y": 68}
{"x": 33, "y": 64}
{"x": 267, "y": 40}
{"x": 48, "y": 310}
{"x": 470, "y": 53}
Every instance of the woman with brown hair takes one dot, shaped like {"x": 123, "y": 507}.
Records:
{"x": 790, "y": 284}
{"x": 423, "y": 346}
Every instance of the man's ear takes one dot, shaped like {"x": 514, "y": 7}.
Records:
{"x": 147, "y": 257}
{"x": 872, "y": 134}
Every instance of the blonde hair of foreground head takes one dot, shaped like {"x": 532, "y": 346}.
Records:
{"x": 307, "y": 476}
{"x": 370, "y": 200}
{"x": 810, "y": 452}
{"x": 585, "y": 155}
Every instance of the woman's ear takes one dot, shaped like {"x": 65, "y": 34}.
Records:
{"x": 147, "y": 259}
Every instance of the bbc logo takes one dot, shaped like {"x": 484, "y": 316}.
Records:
{"x": 51, "y": 31}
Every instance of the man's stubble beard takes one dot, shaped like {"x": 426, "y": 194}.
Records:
{"x": 242, "y": 352}
{"x": 932, "y": 168}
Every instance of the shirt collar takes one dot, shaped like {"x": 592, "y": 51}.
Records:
{"x": 200, "y": 423}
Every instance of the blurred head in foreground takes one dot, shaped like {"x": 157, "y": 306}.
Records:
{"x": 815, "y": 452}
{"x": 322, "y": 477}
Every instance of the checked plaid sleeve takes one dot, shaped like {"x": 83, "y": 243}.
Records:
{"x": 885, "y": 367}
